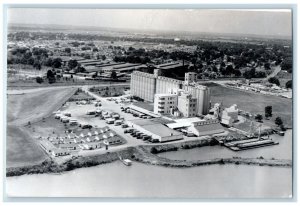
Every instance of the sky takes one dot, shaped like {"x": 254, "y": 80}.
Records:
{"x": 259, "y": 22}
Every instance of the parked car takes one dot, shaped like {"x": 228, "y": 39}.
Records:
{"x": 86, "y": 126}
{"x": 128, "y": 130}
{"x": 125, "y": 125}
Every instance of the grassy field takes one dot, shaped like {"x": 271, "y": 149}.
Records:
{"x": 34, "y": 106}
{"x": 21, "y": 147}
{"x": 254, "y": 103}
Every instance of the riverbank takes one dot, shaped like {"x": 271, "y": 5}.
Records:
{"x": 144, "y": 154}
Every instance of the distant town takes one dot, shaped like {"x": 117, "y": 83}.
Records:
{"x": 129, "y": 98}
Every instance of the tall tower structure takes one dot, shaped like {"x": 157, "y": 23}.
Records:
{"x": 190, "y": 77}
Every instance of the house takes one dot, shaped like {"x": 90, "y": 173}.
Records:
{"x": 92, "y": 145}
{"x": 59, "y": 152}
{"x": 68, "y": 146}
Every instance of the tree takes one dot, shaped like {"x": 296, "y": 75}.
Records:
{"x": 237, "y": 73}
{"x": 153, "y": 150}
{"x": 68, "y": 50}
{"x": 268, "y": 111}
{"x": 287, "y": 64}
{"x": 37, "y": 65}
{"x": 278, "y": 121}
{"x": 80, "y": 69}
{"x": 51, "y": 76}
{"x": 39, "y": 80}
{"x": 259, "y": 117}
{"x": 229, "y": 70}
{"x": 103, "y": 57}
{"x": 267, "y": 66}
{"x": 250, "y": 73}
{"x": 113, "y": 75}
{"x": 56, "y": 63}
{"x": 72, "y": 63}
{"x": 87, "y": 56}
{"x": 274, "y": 80}
{"x": 289, "y": 84}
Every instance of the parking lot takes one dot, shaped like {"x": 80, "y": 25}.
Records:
{"x": 79, "y": 112}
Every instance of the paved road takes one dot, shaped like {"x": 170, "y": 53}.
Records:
{"x": 274, "y": 73}
{"x": 23, "y": 91}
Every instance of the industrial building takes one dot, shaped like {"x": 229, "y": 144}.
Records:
{"x": 155, "y": 129}
{"x": 229, "y": 115}
{"x": 145, "y": 86}
{"x": 206, "y": 127}
{"x": 165, "y": 103}
{"x": 187, "y": 105}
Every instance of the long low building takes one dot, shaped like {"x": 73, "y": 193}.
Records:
{"x": 208, "y": 127}
{"x": 155, "y": 129}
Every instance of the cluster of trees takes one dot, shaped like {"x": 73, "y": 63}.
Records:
{"x": 287, "y": 64}
{"x": 76, "y": 43}
{"x": 84, "y": 48}
{"x": 252, "y": 73}
{"x": 37, "y": 57}
{"x": 74, "y": 65}
{"x": 274, "y": 80}
{"x": 289, "y": 84}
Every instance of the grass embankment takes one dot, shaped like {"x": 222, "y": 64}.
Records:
{"x": 34, "y": 106}
{"x": 21, "y": 148}
{"x": 143, "y": 154}
{"x": 252, "y": 102}
{"x": 112, "y": 91}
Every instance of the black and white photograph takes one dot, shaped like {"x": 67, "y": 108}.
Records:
{"x": 149, "y": 102}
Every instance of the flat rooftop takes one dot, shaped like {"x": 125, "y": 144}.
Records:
{"x": 185, "y": 122}
{"x": 155, "y": 126}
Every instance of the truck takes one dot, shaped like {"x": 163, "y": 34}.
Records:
{"x": 118, "y": 122}
{"x": 91, "y": 112}
{"x": 73, "y": 122}
{"x": 110, "y": 121}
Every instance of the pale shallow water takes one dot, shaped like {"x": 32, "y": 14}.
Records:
{"x": 140, "y": 180}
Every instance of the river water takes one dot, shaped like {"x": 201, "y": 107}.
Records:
{"x": 141, "y": 180}
{"x": 281, "y": 151}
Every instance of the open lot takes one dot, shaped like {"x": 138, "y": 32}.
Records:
{"x": 33, "y": 106}
{"x": 21, "y": 147}
{"x": 254, "y": 103}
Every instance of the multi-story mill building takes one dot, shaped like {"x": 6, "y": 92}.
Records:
{"x": 145, "y": 86}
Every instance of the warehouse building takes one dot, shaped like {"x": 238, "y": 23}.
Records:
{"x": 155, "y": 129}
{"x": 206, "y": 127}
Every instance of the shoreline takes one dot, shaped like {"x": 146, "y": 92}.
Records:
{"x": 144, "y": 154}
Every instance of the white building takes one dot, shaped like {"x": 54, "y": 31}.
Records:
{"x": 229, "y": 115}
{"x": 155, "y": 130}
{"x": 164, "y": 103}
{"x": 190, "y": 77}
{"x": 208, "y": 127}
{"x": 187, "y": 105}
